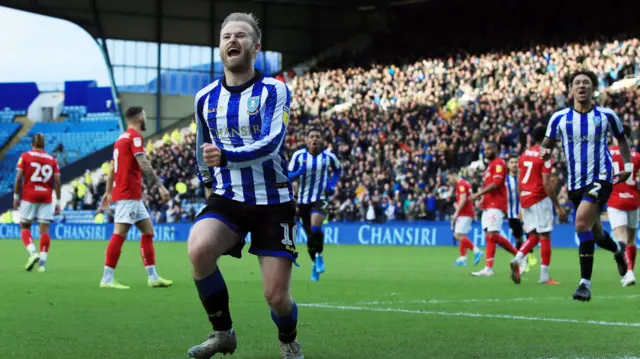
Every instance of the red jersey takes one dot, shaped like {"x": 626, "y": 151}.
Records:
{"x": 531, "y": 169}
{"x": 624, "y": 195}
{"x": 464, "y": 187}
{"x": 38, "y": 168}
{"x": 127, "y": 175}
{"x": 495, "y": 173}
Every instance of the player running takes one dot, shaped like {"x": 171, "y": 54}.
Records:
{"x": 494, "y": 206}
{"x": 623, "y": 208}
{"x": 583, "y": 130}
{"x": 38, "y": 169}
{"x": 241, "y": 126}
{"x": 462, "y": 219}
{"x": 124, "y": 188}
{"x": 538, "y": 199}
{"x": 312, "y": 165}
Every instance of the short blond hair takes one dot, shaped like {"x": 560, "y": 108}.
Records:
{"x": 247, "y": 18}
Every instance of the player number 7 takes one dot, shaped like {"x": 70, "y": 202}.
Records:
{"x": 529, "y": 166}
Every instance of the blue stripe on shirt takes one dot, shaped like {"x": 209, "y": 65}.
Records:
{"x": 597, "y": 144}
{"x": 206, "y": 136}
{"x": 324, "y": 172}
{"x": 212, "y": 120}
{"x": 312, "y": 181}
{"x": 584, "y": 148}
{"x": 570, "y": 148}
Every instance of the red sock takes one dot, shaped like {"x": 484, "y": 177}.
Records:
{"x": 146, "y": 250}
{"x": 504, "y": 243}
{"x": 113, "y": 250}
{"x": 529, "y": 244}
{"x": 491, "y": 251}
{"x": 465, "y": 243}
{"x": 26, "y": 237}
{"x": 545, "y": 251}
{"x": 45, "y": 241}
{"x": 631, "y": 256}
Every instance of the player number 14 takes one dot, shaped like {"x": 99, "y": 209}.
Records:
{"x": 616, "y": 169}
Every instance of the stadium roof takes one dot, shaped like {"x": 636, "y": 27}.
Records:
{"x": 297, "y": 28}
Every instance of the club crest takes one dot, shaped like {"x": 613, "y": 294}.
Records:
{"x": 597, "y": 120}
{"x": 253, "y": 104}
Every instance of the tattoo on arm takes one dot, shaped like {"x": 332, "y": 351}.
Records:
{"x": 548, "y": 143}
{"x": 147, "y": 170}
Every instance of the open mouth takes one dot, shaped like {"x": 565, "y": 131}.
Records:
{"x": 233, "y": 51}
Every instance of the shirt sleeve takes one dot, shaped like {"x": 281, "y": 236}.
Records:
{"x": 137, "y": 145}
{"x": 204, "y": 172}
{"x": 552, "y": 127}
{"x": 498, "y": 173}
{"x": 547, "y": 167}
{"x": 294, "y": 163}
{"x": 616, "y": 125}
{"x": 274, "y": 128}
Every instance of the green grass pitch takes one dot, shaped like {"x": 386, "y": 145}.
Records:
{"x": 373, "y": 302}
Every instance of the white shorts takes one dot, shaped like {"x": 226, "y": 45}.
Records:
{"x": 619, "y": 218}
{"x": 538, "y": 217}
{"x": 463, "y": 225}
{"x": 492, "y": 219}
{"x": 42, "y": 211}
{"x": 130, "y": 211}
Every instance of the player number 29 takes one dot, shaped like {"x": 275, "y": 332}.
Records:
{"x": 42, "y": 173}
{"x": 631, "y": 180}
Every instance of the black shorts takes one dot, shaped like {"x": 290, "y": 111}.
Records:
{"x": 273, "y": 227}
{"x": 306, "y": 210}
{"x": 596, "y": 192}
{"x": 516, "y": 227}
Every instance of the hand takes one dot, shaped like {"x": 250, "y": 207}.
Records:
{"x": 474, "y": 197}
{"x": 57, "y": 210}
{"x": 330, "y": 191}
{"x": 106, "y": 200}
{"x": 164, "y": 194}
{"x": 16, "y": 203}
{"x": 453, "y": 222}
{"x": 621, "y": 177}
{"x": 562, "y": 214}
{"x": 545, "y": 153}
{"x": 211, "y": 154}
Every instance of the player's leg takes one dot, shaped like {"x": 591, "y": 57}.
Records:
{"x": 461, "y": 229}
{"x": 495, "y": 226}
{"x": 272, "y": 243}
{"x": 147, "y": 252}
{"x": 516, "y": 230}
{"x": 44, "y": 213}
{"x": 317, "y": 218}
{"x": 212, "y": 236}
{"x": 112, "y": 254}
{"x": 604, "y": 240}
{"x": 487, "y": 220}
{"x": 630, "y": 251}
{"x": 27, "y": 215}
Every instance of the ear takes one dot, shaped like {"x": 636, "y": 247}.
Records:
{"x": 257, "y": 47}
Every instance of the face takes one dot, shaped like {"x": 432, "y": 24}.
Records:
{"x": 490, "y": 152}
{"x": 582, "y": 88}
{"x": 238, "y": 49}
{"x": 314, "y": 141}
{"x": 452, "y": 180}
{"x": 143, "y": 121}
{"x": 513, "y": 165}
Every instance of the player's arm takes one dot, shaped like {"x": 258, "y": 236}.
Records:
{"x": 336, "y": 172}
{"x": 464, "y": 197}
{"x": 295, "y": 169}
{"x": 17, "y": 188}
{"x": 623, "y": 145}
{"x": 106, "y": 199}
{"x": 274, "y": 127}
{"x": 57, "y": 187}
{"x": 150, "y": 175}
{"x": 205, "y": 174}
{"x": 551, "y": 136}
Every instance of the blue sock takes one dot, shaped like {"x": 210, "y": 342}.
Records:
{"x": 287, "y": 324}
{"x": 585, "y": 236}
{"x": 316, "y": 229}
{"x": 215, "y": 300}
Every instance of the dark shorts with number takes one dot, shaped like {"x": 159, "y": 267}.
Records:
{"x": 516, "y": 227}
{"x": 306, "y": 210}
{"x": 597, "y": 192}
{"x": 272, "y": 227}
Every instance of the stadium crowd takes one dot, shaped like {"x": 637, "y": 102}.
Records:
{"x": 399, "y": 129}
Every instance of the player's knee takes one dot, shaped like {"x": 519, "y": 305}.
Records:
{"x": 582, "y": 225}
{"x": 277, "y": 297}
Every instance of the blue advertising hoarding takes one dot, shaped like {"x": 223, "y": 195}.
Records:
{"x": 416, "y": 234}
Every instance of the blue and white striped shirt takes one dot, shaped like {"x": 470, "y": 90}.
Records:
{"x": 584, "y": 142}
{"x": 513, "y": 198}
{"x": 313, "y": 183}
{"x": 248, "y": 123}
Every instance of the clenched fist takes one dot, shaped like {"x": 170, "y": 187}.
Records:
{"x": 212, "y": 154}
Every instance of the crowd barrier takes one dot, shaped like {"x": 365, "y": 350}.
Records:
{"x": 417, "y": 234}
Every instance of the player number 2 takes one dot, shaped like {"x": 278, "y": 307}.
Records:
{"x": 115, "y": 160}
{"x": 41, "y": 173}
{"x": 287, "y": 241}
{"x": 527, "y": 174}
{"x": 616, "y": 169}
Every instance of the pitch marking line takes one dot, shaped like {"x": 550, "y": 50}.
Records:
{"x": 471, "y": 315}
{"x": 485, "y": 300}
